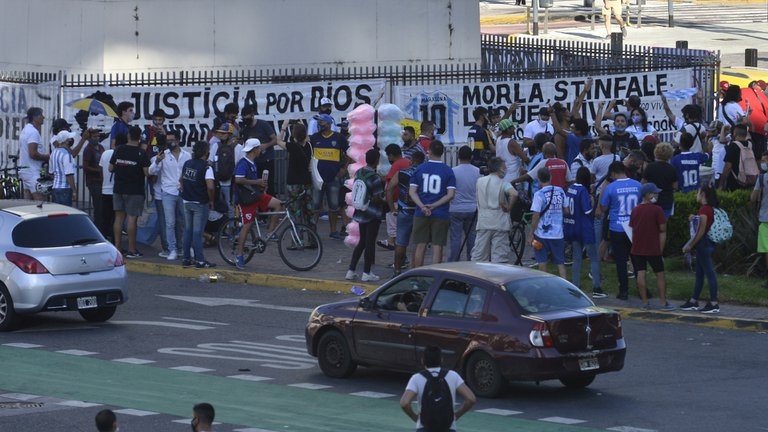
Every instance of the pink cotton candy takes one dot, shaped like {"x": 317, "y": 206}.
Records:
{"x": 362, "y": 114}
{"x": 362, "y": 141}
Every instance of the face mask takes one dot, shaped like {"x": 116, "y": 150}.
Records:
{"x": 619, "y": 129}
{"x": 654, "y": 199}
{"x": 764, "y": 166}
{"x": 637, "y": 119}
{"x": 172, "y": 145}
{"x": 542, "y": 123}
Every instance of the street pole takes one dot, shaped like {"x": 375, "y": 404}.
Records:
{"x": 670, "y": 6}
{"x": 536, "y": 17}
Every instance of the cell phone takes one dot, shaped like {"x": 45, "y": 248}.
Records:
{"x": 619, "y": 102}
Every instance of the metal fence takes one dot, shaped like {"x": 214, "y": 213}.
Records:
{"x": 503, "y": 58}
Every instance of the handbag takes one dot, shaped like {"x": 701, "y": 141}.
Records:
{"x": 317, "y": 179}
{"x": 247, "y": 194}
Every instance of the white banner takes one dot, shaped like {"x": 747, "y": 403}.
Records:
{"x": 451, "y": 106}
{"x": 191, "y": 109}
{"x": 15, "y": 100}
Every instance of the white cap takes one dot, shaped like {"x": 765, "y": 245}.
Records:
{"x": 325, "y": 101}
{"x": 250, "y": 144}
{"x": 63, "y": 136}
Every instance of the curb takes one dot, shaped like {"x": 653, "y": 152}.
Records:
{"x": 245, "y": 277}
{"x": 698, "y": 320}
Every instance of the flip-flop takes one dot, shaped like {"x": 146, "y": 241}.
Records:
{"x": 385, "y": 244}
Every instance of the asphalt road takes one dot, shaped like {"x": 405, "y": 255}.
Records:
{"x": 180, "y": 341}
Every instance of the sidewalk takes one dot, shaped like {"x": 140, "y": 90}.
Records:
{"x": 268, "y": 269}
{"x": 695, "y": 22}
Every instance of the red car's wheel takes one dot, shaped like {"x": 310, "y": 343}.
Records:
{"x": 483, "y": 375}
{"x": 334, "y": 356}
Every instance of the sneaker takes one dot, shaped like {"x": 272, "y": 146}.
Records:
{"x": 172, "y": 255}
{"x": 598, "y": 293}
{"x": 630, "y": 274}
{"x": 385, "y": 244}
{"x": 645, "y": 306}
{"x": 344, "y": 233}
{"x": 622, "y": 296}
{"x": 204, "y": 264}
{"x": 186, "y": 262}
{"x": 689, "y": 306}
{"x": 240, "y": 262}
{"x": 336, "y": 236}
{"x": 369, "y": 277}
{"x": 710, "y": 308}
{"x": 164, "y": 254}
{"x": 668, "y": 307}
{"x": 624, "y": 31}
{"x": 134, "y": 254}
{"x": 351, "y": 275}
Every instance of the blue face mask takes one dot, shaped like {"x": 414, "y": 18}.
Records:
{"x": 637, "y": 119}
{"x": 620, "y": 129}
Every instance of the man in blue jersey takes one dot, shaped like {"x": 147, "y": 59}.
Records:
{"x": 330, "y": 149}
{"x": 547, "y": 223}
{"x": 687, "y": 164}
{"x": 432, "y": 187}
{"x": 618, "y": 199}
{"x": 404, "y": 208}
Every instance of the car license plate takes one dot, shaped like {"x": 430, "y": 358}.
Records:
{"x": 589, "y": 364}
{"x": 87, "y": 302}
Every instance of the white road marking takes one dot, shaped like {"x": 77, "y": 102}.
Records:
{"x": 292, "y": 338}
{"x": 76, "y": 352}
{"x": 19, "y": 396}
{"x": 562, "y": 420}
{"x": 196, "y": 321}
{"x": 164, "y": 324}
{"x": 268, "y": 355}
{"x": 630, "y": 429}
{"x": 250, "y": 378}
{"x": 22, "y": 345}
{"x": 216, "y": 301}
{"x": 253, "y": 430}
{"x": 135, "y": 412}
{"x": 132, "y": 360}
{"x": 78, "y": 404}
{"x": 310, "y": 386}
{"x": 498, "y": 411}
{"x": 191, "y": 369}
{"x": 186, "y": 422}
{"x": 373, "y": 395}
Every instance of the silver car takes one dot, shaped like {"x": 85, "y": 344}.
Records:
{"x": 53, "y": 258}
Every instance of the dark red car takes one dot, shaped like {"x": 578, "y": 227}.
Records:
{"x": 495, "y": 323}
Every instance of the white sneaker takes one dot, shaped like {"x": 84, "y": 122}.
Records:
{"x": 172, "y": 255}
{"x": 163, "y": 254}
{"x": 369, "y": 277}
{"x": 351, "y": 275}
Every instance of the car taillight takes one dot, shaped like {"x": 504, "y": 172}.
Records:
{"x": 540, "y": 337}
{"x": 119, "y": 261}
{"x": 26, "y": 263}
{"x": 619, "y": 332}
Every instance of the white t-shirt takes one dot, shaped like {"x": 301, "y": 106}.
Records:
{"x": 731, "y": 111}
{"x": 534, "y": 127}
{"x": 578, "y": 162}
{"x": 30, "y": 135}
{"x": 512, "y": 162}
{"x": 417, "y": 383}
{"x": 107, "y": 183}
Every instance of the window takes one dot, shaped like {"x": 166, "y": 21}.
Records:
{"x": 405, "y": 295}
{"x": 56, "y": 231}
{"x": 459, "y": 299}
{"x": 547, "y": 294}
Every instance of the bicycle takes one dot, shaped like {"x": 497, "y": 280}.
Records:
{"x": 299, "y": 246}
{"x": 517, "y": 236}
{"x": 10, "y": 182}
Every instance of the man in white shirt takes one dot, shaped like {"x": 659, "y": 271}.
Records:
{"x": 167, "y": 167}
{"x": 32, "y": 153}
{"x": 542, "y": 124}
{"x": 415, "y": 388}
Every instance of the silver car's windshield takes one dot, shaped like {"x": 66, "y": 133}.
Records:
{"x": 543, "y": 294}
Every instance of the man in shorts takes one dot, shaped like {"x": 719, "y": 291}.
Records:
{"x": 247, "y": 174}
{"x": 432, "y": 188}
{"x": 547, "y": 223}
{"x": 613, "y": 6}
{"x": 32, "y": 153}
{"x": 130, "y": 166}
{"x": 403, "y": 209}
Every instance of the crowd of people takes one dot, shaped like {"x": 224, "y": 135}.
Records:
{"x": 583, "y": 190}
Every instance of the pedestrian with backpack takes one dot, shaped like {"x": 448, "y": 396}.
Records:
{"x": 435, "y": 389}
{"x": 740, "y": 170}
{"x": 701, "y": 243}
{"x": 368, "y": 201}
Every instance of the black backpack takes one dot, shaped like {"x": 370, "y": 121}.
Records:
{"x": 436, "y": 403}
{"x": 225, "y": 162}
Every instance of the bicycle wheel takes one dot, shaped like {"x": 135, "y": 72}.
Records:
{"x": 228, "y": 234}
{"x": 301, "y": 249}
{"x": 517, "y": 242}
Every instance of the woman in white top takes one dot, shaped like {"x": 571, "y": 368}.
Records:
{"x": 509, "y": 150}
{"x": 730, "y": 112}
{"x": 640, "y": 127}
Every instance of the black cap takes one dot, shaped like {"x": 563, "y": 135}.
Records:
{"x": 544, "y": 111}
{"x": 60, "y": 124}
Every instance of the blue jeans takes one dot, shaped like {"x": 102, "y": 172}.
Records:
{"x": 173, "y": 227}
{"x": 159, "y": 226}
{"x": 195, "y": 217}
{"x": 226, "y": 193}
{"x": 594, "y": 261}
{"x": 63, "y": 196}
{"x": 462, "y": 223}
{"x": 705, "y": 268}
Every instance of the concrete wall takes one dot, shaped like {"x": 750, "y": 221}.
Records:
{"x": 91, "y": 36}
